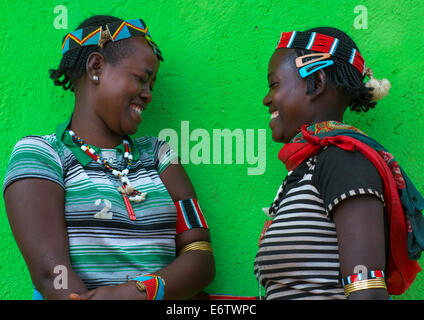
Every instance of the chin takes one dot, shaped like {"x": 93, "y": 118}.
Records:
{"x": 277, "y": 138}
{"x": 131, "y": 131}
{"x": 128, "y": 130}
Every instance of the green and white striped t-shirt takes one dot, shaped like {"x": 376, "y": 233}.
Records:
{"x": 104, "y": 251}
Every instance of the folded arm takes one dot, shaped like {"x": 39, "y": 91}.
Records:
{"x": 189, "y": 273}
{"x": 35, "y": 211}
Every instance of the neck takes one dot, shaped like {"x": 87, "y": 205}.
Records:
{"x": 334, "y": 117}
{"x": 328, "y": 111}
{"x": 90, "y": 127}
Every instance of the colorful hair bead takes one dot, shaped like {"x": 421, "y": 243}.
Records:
{"x": 114, "y": 31}
{"x": 314, "y": 41}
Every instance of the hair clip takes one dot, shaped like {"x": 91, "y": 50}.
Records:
{"x": 313, "y": 67}
{"x": 310, "y": 58}
{"x": 105, "y": 36}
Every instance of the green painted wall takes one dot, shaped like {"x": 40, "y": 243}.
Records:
{"x": 214, "y": 76}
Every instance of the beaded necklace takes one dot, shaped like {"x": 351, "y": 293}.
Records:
{"x": 271, "y": 211}
{"x": 129, "y": 193}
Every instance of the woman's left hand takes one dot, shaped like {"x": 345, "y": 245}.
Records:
{"x": 125, "y": 291}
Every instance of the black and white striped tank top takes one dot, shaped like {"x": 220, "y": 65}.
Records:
{"x": 298, "y": 254}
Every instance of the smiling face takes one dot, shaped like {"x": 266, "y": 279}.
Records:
{"x": 125, "y": 88}
{"x": 286, "y": 99}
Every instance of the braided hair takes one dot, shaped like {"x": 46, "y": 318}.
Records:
{"x": 363, "y": 96}
{"x": 73, "y": 63}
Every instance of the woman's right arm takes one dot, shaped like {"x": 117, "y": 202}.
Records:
{"x": 35, "y": 209}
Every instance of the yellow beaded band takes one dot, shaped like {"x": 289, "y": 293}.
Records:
{"x": 198, "y": 245}
{"x": 377, "y": 283}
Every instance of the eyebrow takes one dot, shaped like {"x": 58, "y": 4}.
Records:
{"x": 148, "y": 71}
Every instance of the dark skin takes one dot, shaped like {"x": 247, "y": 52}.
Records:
{"x": 103, "y": 115}
{"x": 359, "y": 220}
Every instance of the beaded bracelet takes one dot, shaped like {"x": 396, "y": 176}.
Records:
{"x": 153, "y": 285}
{"x": 359, "y": 276}
{"x": 189, "y": 215}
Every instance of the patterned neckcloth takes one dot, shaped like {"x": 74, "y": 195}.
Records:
{"x": 404, "y": 204}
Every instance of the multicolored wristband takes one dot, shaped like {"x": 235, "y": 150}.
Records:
{"x": 153, "y": 285}
{"x": 373, "y": 274}
{"x": 189, "y": 215}
{"x": 373, "y": 279}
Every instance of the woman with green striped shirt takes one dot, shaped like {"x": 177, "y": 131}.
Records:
{"x": 94, "y": 212}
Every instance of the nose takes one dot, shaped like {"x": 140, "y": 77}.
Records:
{"x": 267, "y": 100}
{"x": 146, "y": 94}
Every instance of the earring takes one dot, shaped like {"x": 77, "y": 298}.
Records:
{"x": 95, "y": 78}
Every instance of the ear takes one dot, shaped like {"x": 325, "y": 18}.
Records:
{"x": 319, "y": 84}
{"x": 94, "y": 66}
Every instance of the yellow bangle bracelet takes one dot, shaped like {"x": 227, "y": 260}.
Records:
{"x": 198, "y": 245}
{"x": 377, "y": 283}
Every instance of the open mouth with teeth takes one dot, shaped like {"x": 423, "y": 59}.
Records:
{"x": 137, "y": 108}
{"x": 136, "y": 111}
{"x": 274, "y": 115}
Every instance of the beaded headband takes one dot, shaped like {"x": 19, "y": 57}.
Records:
{"x": 322, "y": 43}
{"x": 113, "y": 31}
